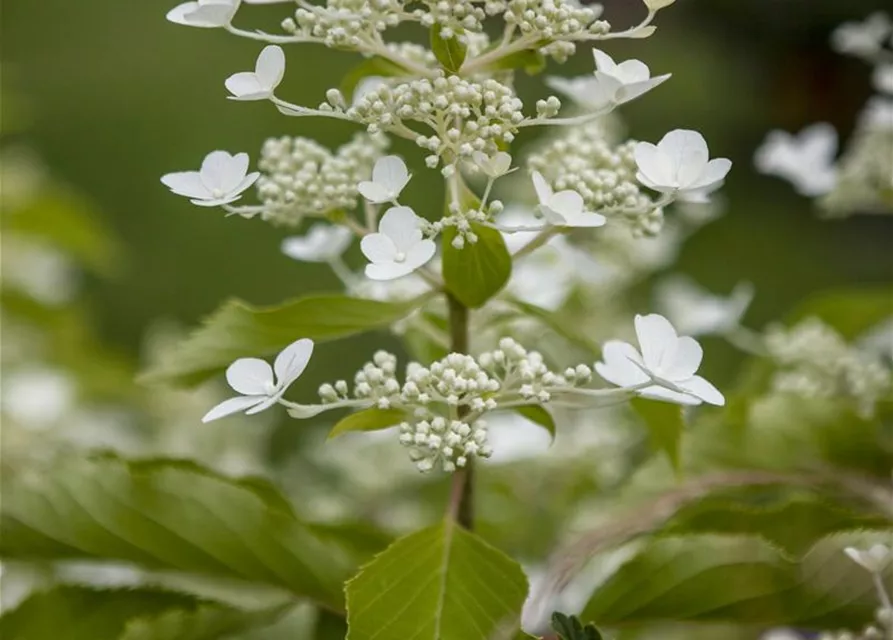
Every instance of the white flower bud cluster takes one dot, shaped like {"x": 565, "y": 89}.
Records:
{"x": 816, "y": 362}
{"x": 465, "y": 116}
{"x": 376, "y": 382}
{"x": 452, "y": 443}
{"x": 585, "y": 161}
{"x": 882, "y": 629}
{"x": 346, "y": 23}
{"x": 559, "y": 20}
{"x": 300, "y": 177}
{"x": 462, "y": 220}
{"x": 455, "y": 17}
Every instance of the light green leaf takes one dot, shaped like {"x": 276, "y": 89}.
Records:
{"x": 539, "y": 415}
{"x": 440, "y": 583}
{"x": 170, "y": 517}
{"x": 238, "y": 330}
{"x": 477, "y": 272}
{"x": 373, "y": 419}
{"x": 375, "y": 66}
{"x": 665, "y": 423}
{"x": 450, "y": 52}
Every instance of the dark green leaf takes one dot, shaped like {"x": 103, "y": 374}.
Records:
{"x": 441, "y": 583}
{"x": 450, "y": 52}
{"x": 665, "y": 423}
{"x": 329, "y": 626}
{"x": 375, "y": 66}
{"x": 238, "y": 330}
{"x": 373, "y": 419}
{"x": 477, "y": 272}
{"x": 540, "y": 415}
{"x": 208, "y": 622}
{"x": 570, "y": 628}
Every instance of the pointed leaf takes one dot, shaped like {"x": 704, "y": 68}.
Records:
{"x": 665, "y": 423}
{"x": 477, "y": 272}
{"x": 440, "y": 583}
{"x": 373, "y": 419}
{"x": 450, "y": 52}
{"x": 540, "y": 415}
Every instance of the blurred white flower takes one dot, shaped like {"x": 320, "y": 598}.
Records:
{"x": 679, "y": 164}
{"x": 565, "y": 208}
{"x": 879, "y": 340}
{"x": 37, "y": 398}
{"x": 514, "y": 437}
{"x": 389, "y": 177}
{"x": 667, "y": 360}
{"x": 806, "y": 160}
{"x": 874, "y": 560}
{"x": 209, "y": 14}
{"x": 364, "y": 86}
{"x": 695, "y": 311}
{"x": 877, "y": 114}
{"x": 262, "y": 82}
{"x": 398, "y": 248}
{"x": 221, "y": 180}
{"x": 322, "y": 243}
{"x": 612, "y": 83}
{"x": 254, "y": 379}
{"x": 862, "y": 38}
{"x": 494, "y": 166}
{"x": 781, "y": 634}
{"x": 882, "y": 77}
{"x": 405, "y": 288}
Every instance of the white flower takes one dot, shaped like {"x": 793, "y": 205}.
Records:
{"x": 221, "y": 180}
{"x": 877, "y": 114}
{"x": 874, "y": 559}
{"x": 389, "y": 177}
{"x": 262, "y": 82}
{"x": 208, "y": 14}
{"x": 254, "y": 379}
{"x": 322, "y": 243}
{"x": 679, "y": 165}
{"x": 667, "y": 360}
{"x": 882, "y": 77}
{"x": 564, "y": 208}
{"x": 862, "y": 38}
{"x": 695, "y": 312}
{"x": 494, "y": 166}
{"x": 612, "y": 83}
{"x": 806, "y": 160}
{"x": 398, "y": 248}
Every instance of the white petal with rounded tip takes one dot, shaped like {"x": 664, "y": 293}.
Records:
{"x": 214, "y": 168}
{"x": 713, "y": 174}
{"x": 233, "y": 172}
{"x": 291, "y": 362}
{"x": 210, "y": 15}
{"x": 631, "y": 71}
{"x": 618, "y": 365}
{"x": 186, "y": 183}
{"x": 378, "y": 248}
{"x": 391, "y": 173}
{"x": 703, "y": 390}
{"x": 270, "y": 67}
{"x": 567, "y": 204}
{"x": 178, "y": 13}
{"x": 231, "y": 406}
{"x": 667, "y": 395}
{"x": 245, "y": 86}
{"x": 373, "y": 192}
{"x": 604, "y": 62}
{"x": 654, "y": 166}
{"x": 686, "y": 360}
{"x": 387, "y": 271}
{"x": 250, "y": 376}
{"x": 420, "y": 254}
{"x": 687, "y": 151}
{"x": 401, "y": 225}
{"x": 657, "y": 338}
{"x": 543, "y": 190}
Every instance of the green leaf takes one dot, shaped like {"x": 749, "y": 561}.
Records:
{"x": 373, "y": 419}
{"x": 375, "y": 66}
{"x": 208, "y": 622}
{"x": 530, "y": 60}
{"x": 709, "y": 578}
{"x": 665, "y": 423}
{"x": 850, "y": 311}
{"x": 164, "y": 516}
{"x": 440, "y": 583}
{"x": 238, "y": 330}
{"x": 450, "y": 52}
{"x": 329, "y": 626}
{"x": 570, "y": 628}
{"x": 538, "y": 414}
{"x": 477, "y": 272}
{"x": 557, "y": 323}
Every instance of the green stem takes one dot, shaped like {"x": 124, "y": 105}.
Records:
{"x": 462, "y": 494}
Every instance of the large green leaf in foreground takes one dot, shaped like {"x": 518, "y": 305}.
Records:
{"x": 440, "y": 583}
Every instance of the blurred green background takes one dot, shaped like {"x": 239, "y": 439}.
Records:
{"x": 116, "y": 96}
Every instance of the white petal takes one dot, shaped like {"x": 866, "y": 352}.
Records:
{"x": 246, "y": 182}
{"x": 210, "y": 15}
{"x": 819, "y": 141}
{"x": 216, "y": 202}
{"x": 667, "y": 395}
{"x": 178, "y": 13}
{"x": 270, "y": 66}
{"x": 688, "y": 154}
{"x": 658, "y": 338}
{"x": 587, "y": 219}
{"x": 264, "y": 404}
{"x": 704, "y": 390}
{"x": 214, "y": 167}
{"x": 420, "y": 254}
{"x": 374, "y": 192}
{"x": 686, "y": 360}
{"x": 186, "y": 183}
{"x": 618, "y": 364}
{"x": 231, "y": 406}
{"x": 567, "y": 203}
{"x": 291, "y": 362}
{"x": 387, "y": 270}
{"x": 632, "y": 71}
{"x": 543, "y": 190}
{"x": 250, "y": 376}
{"x": 234, "y": 172}
{"x": 401, "y": 225}
{"x": 604, "y": 62}
{"x": 378, "y": 248}
{"x": 246, "y": 86}
{"x": 634, "y": 90}
{"x": 654, "y": 165}
{"x": 391, "y": 173}
{"x": 714, "y": 173}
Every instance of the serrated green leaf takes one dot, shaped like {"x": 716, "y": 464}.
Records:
{"x": 238, "y": 330}
{"x": 373, "y": 419}
{"x": 665, "y": 423}
{"x": 208, "y": 622}
{"x": 450, "y": 52}
{"x": 440, "y": 583}
{"x": 477, "y": 272}
{"x": 167, "y": 517}
{"x": 540, "y": 415}
{"x": 375, "y": 66}
{"x": 710, "y": 578}
{"x": 570, "y": 628}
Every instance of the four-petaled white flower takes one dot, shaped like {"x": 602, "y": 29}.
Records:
{"x": 255, "y": 380}
{"x": 494, "y": 166}
{"x": 262, "y": 82}
{"x": 322, "y": 243}
{"x": 221, "y": 180}
{"x": 696, "y": 312}
{"x": 208, "y": 14}
{"x": 806, "y": 160}
{"x": 679, "y": 164}
{"x": 612, "y": 83}
{"x": 398, "y": 248}
{"x": 874, "y": 559}
{"x": 565, "y": 208}
{"x": 389, "y": 177}
{"x": 668, "y": 361}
